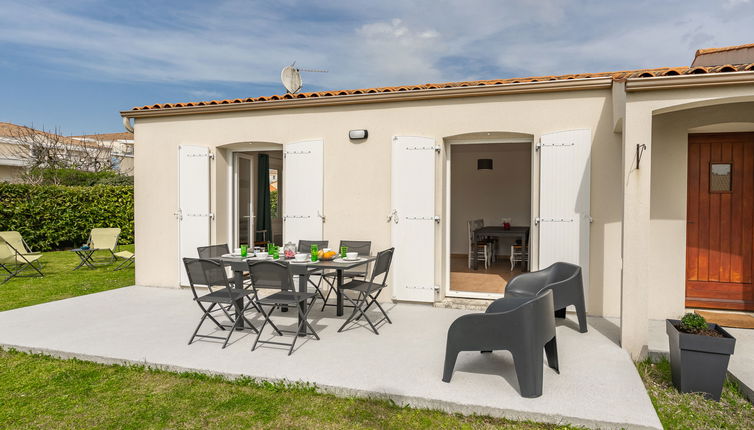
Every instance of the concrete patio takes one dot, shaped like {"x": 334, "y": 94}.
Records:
{"x": 598, "y": 385}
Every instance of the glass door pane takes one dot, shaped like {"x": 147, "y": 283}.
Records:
{"x": 245, "y": 216}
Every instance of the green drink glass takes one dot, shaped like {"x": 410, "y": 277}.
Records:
{"x": 244, "y": 250}
{"x": 315, "y": 252}
{"x": 343, "y": 250}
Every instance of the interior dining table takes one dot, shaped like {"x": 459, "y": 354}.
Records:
{"x": 516, "y": 232}
{"x": 240, "y": 265}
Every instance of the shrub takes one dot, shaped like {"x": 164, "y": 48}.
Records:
{"x": 55, "y": 217}
{"x": 693, "y": 323}
{"x": 77, "y": 178}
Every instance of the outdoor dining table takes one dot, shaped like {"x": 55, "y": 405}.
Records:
{"x": 516, "y": 232}
{"x": 239, "y": 265}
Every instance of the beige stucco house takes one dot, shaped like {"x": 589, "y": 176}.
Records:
{"x": 645, "y": 178}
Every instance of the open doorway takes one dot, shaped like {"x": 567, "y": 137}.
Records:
{"x": 257, "y": 198}
{"x": 490, "y": 212}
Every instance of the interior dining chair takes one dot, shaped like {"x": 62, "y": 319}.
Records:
{"x": 480, "y": 252}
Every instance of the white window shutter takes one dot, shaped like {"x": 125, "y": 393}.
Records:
{"x": 303, "y": 190}
{"x": 413, "y": 218}
{"x": 194, "y": 216}
{"x": 564, "y": 185}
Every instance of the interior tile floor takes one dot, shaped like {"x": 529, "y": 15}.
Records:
{"x": 490, "y": 280}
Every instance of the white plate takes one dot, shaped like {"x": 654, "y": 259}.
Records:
{"x": 299, "y": 262}
{"x": 348, "y": 260}
{"x": 231, "y": 255}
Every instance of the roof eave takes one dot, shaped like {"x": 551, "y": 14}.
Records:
{"x": 689, "y": 81}
{"x": 434, "y": 93}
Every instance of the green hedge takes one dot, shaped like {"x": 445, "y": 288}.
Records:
{"x": 55, "y": 217}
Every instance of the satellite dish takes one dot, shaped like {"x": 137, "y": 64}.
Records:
{"x": 291, "y": 77}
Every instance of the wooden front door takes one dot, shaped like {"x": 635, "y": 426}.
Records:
{"x": 720, "y": 221}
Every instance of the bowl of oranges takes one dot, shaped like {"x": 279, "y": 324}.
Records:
{"x": 327, "y": 254}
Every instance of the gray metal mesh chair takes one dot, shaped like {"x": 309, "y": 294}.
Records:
{"x": 369, "y": 291}
{"x": 305, "y": 246}
{"x": 521, "y": 325}
{"x": 211, "y": 274}
{"x": 217, "y": 251}
{"x": 213, "y": 251}
{"x": 565, "y": 281}
{"x": 363, "y": 247}
{"x": 277, "y": 276}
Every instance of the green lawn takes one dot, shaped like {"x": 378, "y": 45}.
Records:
{"x": 43, "y": 392}
{"x": 693, "y": 411}
{"x": 61, "y": 282}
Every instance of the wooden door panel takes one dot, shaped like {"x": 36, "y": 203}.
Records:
{"x": 720, "y": 224}
{"x": 736, "y": 227}
{"x": 692, "y": 223}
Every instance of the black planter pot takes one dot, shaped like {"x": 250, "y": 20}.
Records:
{"x": 699, "y": 363}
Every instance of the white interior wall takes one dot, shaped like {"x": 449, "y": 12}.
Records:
{"x": 503, "y": 192}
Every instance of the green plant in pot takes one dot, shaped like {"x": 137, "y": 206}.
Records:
{"x": 699, "y": 355}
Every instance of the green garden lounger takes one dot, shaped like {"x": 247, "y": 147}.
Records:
{"x": 128, "y": 259}
{"x": 15, "y": 256}
{"x": 100, "y": 239}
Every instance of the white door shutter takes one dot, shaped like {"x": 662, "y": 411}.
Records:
{"x": 413, "y": 218}
{"x": 564, "y": 183}
{"x": 303, "y": 191}
{"x": 194, "y": 214}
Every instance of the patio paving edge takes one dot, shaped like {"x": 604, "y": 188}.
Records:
{"x": 412, "y": 401}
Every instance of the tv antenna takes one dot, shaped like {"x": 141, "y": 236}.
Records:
{"x": 291, "y": 77}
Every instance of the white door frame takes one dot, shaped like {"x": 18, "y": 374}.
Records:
{"x": 533, "y": 247}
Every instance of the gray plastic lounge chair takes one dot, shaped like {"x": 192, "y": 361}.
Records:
{"x": 564, "y": 279}
{"x": 16, "y": 256}
{"x": 277, "y": 276}
{"x": 521, "y": 325}
{"x": 369, "y": 291}
{"x": 212, "y": 274}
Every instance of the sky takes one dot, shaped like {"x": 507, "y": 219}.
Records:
{"x": 75, "y": 64}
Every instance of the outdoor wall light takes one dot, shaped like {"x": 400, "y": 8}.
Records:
{"x": 484, "y": 164}
{"x": 358, "y": 134}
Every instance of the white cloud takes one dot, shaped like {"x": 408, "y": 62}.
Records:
{"x": 205, "y": 94}
{"x": 366, "y": 44}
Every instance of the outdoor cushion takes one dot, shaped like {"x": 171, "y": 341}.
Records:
{"x": 24, "y": 258}
{"x": 104, "y": 238}
{"x": 15, "y": 240}
{"x": 124, "y": 254}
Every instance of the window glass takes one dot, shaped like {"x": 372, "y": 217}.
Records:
{"x": 274, "y": 193}
{"x": 720, "y": 177}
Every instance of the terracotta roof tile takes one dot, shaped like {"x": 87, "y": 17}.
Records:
{"x": 616, "y": 76}
{"x": 723, "y": 49}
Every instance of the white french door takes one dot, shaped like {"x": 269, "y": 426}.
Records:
{"x": 564, "y": 193}
{"x": 414, "y": 224}
{"x": 244, "y": 208}
{"x": 194, "y": 215}
{"x": 303, "y": 191}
